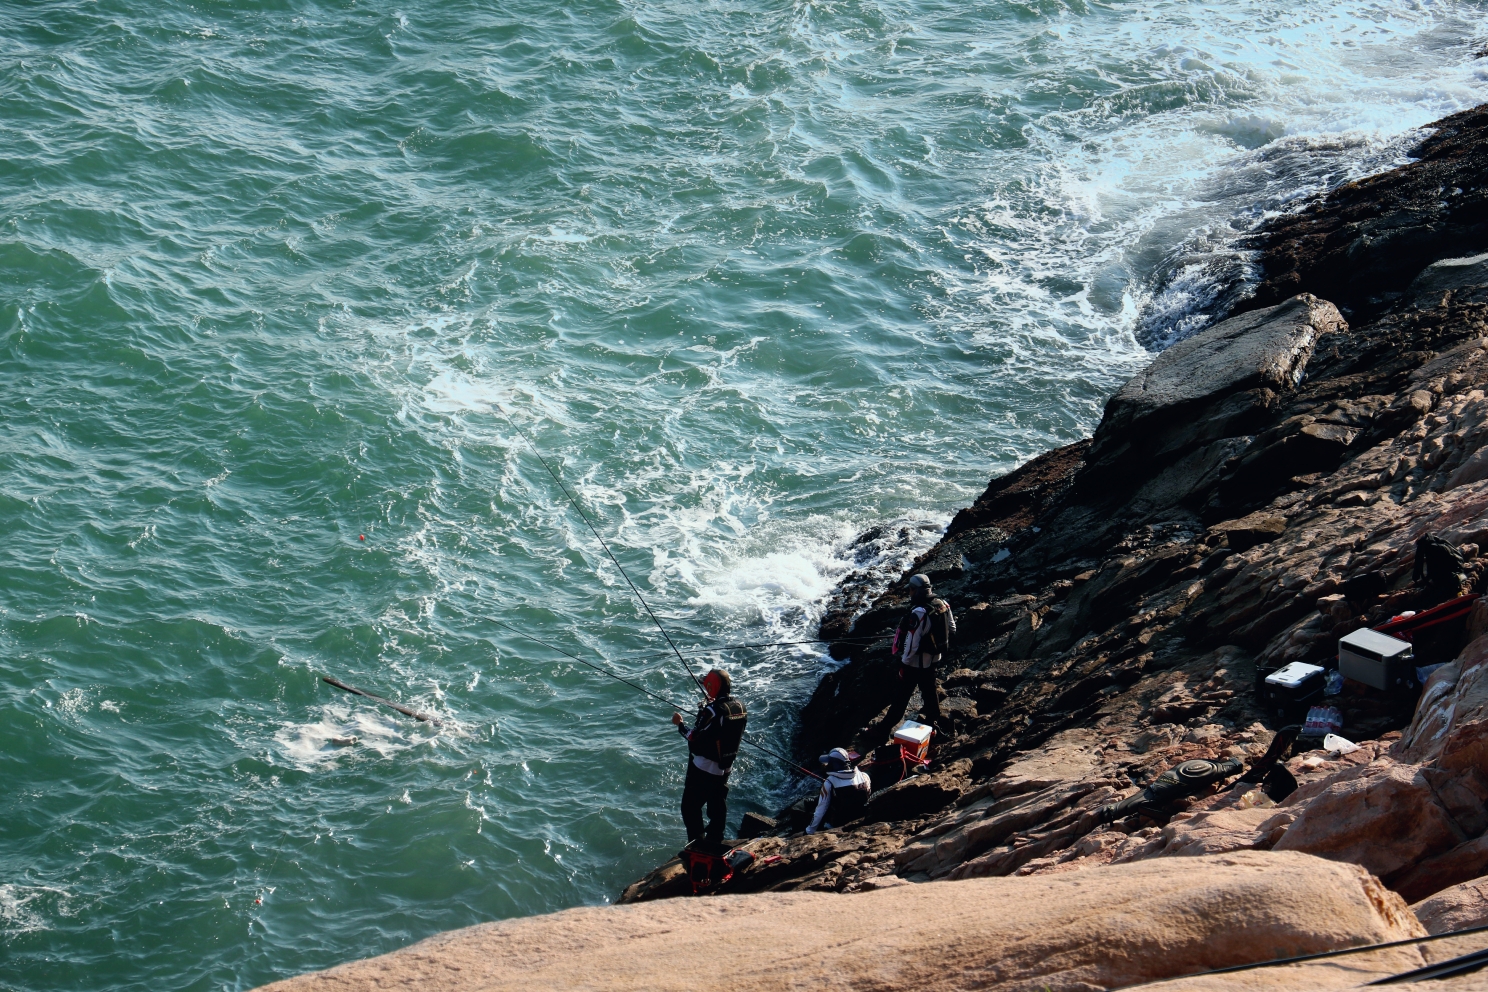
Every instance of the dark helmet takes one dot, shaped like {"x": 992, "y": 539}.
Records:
{"x": 836, "y": 759}
{"x": 919, "y": 587}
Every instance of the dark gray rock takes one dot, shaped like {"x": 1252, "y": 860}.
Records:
{"x": 1450, "y": 275}
{"x": 1363, "y": 243}
{"x": 1252, "y": 529}
{"x": 1210, "y": 386}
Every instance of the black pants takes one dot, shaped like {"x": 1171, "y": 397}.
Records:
{"x": 911, "y": 679}
{"x": 699, "y": 789}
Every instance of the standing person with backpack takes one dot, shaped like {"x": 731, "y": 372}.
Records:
{"x": 713, "y": 744}
{"x": 921, "y": 641}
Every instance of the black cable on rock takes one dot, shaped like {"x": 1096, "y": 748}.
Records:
{"x": 1278, "y": 962}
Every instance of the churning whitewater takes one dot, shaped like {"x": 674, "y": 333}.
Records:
{"x": 756, "y": 278}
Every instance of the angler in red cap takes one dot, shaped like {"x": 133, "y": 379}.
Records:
{"x": 714, "y": 743}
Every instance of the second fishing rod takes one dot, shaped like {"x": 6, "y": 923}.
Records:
{"x": 573, "y": 501}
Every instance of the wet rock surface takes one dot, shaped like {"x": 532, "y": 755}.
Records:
{"x": 1253, "y": 496}
{"x": 1363, "y": 244}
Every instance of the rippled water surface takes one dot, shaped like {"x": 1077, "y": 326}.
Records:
{"x": 757, "y": 276}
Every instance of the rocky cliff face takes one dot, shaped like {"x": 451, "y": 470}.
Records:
{"x": 1255, "y": 494}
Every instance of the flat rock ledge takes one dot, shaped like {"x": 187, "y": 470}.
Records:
{"x": 1117, "y": 927}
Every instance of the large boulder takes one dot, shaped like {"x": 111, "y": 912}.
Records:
{"x": 1458, "y": 276}
{"x": 1383, "y": 816}
{"x": 1215, "y": 385}
{"x": 1464, "y": 745}
{"x": 1457, "y": 908}
{"x": 1106, "y": 928}
{"x": 1466, "y": 861}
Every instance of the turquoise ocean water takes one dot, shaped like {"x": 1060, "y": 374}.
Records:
{"x": 758, "y": 276}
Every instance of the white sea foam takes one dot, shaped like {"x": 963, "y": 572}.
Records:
{"x": 781, "y": 573}
{"x": 1199, "y": 90}
{"x": 341, "y": 732}
{"x": 74, "y": 701}
{"x": 26, "y": 908}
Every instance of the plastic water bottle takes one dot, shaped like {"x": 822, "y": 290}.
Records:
{"x": 1333, "y": 683}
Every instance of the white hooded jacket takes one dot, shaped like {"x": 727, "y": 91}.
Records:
{"x": 846, "y": 778}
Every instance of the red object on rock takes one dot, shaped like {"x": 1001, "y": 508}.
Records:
{"x": 1406, "y": 627}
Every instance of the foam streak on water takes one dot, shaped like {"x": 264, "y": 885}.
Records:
{"x": 757, "y": 277}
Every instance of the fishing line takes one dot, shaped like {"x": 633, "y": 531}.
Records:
{"x": 574, "y": 502}
{"x": 573, "y": 657}
{"x": 618, "y": 678}
{"x": 766, "y": 644}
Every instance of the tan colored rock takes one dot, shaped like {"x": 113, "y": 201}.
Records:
{"x": 1423, "y": 739}
{"x": 1462, "y": 863}
{"x": 1351, "y": 972}
{"x": 1107, "y": 928}
{"x": 1465, "y": 747}
{"x": 1028, "y": 846}
{"x": 1461, "y": 906}
{"x": 1217, "y": 831}
{"x": 1383, "y": 816}
{"x": 1065, "y": 759}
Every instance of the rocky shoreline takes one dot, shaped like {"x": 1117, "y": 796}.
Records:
{"x": 1254, "y": 495}
{"x": 1120, "y": 598}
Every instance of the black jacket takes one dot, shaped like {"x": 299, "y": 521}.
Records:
{"x": 719, "y": 731}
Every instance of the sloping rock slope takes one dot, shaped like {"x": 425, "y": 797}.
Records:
{"x": 1110, "y": 929}
{"x": 1255, "y": 494}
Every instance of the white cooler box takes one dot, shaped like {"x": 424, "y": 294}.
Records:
{"x": 914, "y": 738}
{"x": 1376, "y": 659}
{"x": 1292, "y": 685}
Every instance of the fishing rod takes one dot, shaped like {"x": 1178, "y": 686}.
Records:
{"x": 639, "y": 688}
{"x": 424, "y": 717}
{"x": 574, "y": 502}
